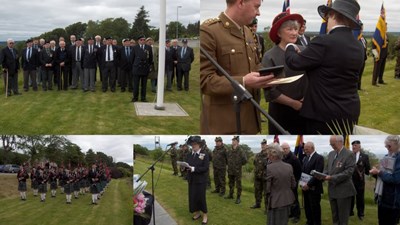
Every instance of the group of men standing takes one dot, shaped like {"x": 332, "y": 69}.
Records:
{"x": 77, "y": 181}
{"x": 74, "y": 65}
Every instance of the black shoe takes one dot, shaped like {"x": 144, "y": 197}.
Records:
{"x": 255, "y": 206}
{"x": 228, "y": 197}
{"x": 221, "y": 194}
{"x": 17, "y": 93}
{"x": 144, "y": 100}
{"x": 238, "y": 201}
{"x": 134, "y": 100}
{"x": 381, "y": 82}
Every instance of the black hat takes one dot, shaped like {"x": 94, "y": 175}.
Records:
{"x": 263, "y": 142}
{"x": 126, "y": 39}
{"x": 194, "y": 139}
{"x": 184, "y": 41}
{"x": 348, "y": 8}
{"x": 79, "y": 39}
{"x": 28, "y": 41}
{"x": 236, "y": 138}
{"x": 90, "y": 38}
{"x": 141, "y": 36}
{"x": 355, "y": 142}
{"x": 255, "y": 21}
{"x": 167, "y": 41}
{"x": 108, "y": 38}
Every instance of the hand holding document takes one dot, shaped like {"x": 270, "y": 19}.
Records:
{"x": 286, "y": 80}
{"x": 183, "y": 164}
{"x": 318, "y": 175}
{"x": 304, "y": 179}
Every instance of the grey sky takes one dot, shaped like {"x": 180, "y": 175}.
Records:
{"x": 24, "y": 19}
{"x": 373, "y": 143}
{"x": 118, "y": 146}
{"x": 369, "y": 13}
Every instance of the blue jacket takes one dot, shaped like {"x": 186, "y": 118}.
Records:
{"x": 391, "y": 187}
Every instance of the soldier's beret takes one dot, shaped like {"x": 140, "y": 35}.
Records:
{"x": 356, "y": 142}
{"x": 218, "y": 139}
{"x": 194, "y": 139}
{"x": 235, "y": 138}
{"x": 109, "y": 38}
{"x": 141, "y": 37}
{"x": 263, "y": 142}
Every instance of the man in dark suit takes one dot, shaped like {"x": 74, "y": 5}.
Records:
{"x": 29, "y": 61}
{"x": 280, "y": 182}
{"x": 169, "y": 64}
{"x": 89, "y": 65}
{"x": 175, "y": 48}
{"x": 47, "y": 62}
{"x": 312, "y": 190}
{"x": 125, "y": 65}
{"x": 185, "y": 59}
{"x": 107, "y": 57}
{"x": 77, "y": 56}
{"x": 10, "y": 62}
{"x": 361, "y": 169}
{"x": 302, "y": 38}
{"x": 61, "y": 62}
{"x": 379, "y": 63}
{"x": 341, "y": 190}
{"x": 142, "y": 60}
{"x": 332, "y": 62}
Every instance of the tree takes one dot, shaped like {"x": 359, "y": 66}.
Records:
{"x": 140, "y": 150}
{"x": 140, "y": 25}
{"x": 78, "y": 29}
{"x": 90, "y": 157}
{"x": 93, "y": 29}
{"x": 9, "y": 142}
{"x": 171, "y": 30}
{"x": 105, "y": 159}
{"x": 193, "y": 30}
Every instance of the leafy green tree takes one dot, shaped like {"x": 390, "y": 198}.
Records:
{"x": 193, "y": 30}
{"x": 90, "y": 157}
{"x": 140, "y": 25}
{"x": 78, "y": 29}
{"x": 171, "y": 30}
{"x": 140, "y": 150}
{"x": 93, "y": 29}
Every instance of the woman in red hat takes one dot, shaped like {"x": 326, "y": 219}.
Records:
{"x": 285, "y": 100}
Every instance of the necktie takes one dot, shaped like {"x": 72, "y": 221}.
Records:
{"x": 143, "y": 47}
{"x": 78, "y": 58}
{"x": 127, "y": 51}
{"x": 12, "y": 52}
{"x": 28, "y": 54}
{"x": 183, "y": 52}
{"x": 306, "y": 160}
{"x": 108, "y": 54}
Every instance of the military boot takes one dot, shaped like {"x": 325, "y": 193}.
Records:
{"x": 230, "y": 196}
{"x": 256, "y": 206}
{"x": 238, "y": 201}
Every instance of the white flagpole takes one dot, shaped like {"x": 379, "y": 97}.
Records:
{"x": 161, "y": 57}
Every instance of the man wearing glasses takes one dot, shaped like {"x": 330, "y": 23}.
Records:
{"x": 9, "y": 60}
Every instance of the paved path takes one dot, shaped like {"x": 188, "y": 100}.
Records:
{"x": 162, "y": 216}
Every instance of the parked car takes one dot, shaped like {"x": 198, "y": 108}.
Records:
{"x": 2, "y": 168}
{"x": 11, "y": 168}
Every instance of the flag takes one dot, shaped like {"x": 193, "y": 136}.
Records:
{"x": 357, "y": 31}
{"x": 298, "y": 149}
{"x": 286, "y": 6}
{"x": 347, "y": 142}
{"x": 323, "y": 25}
{"x": 379, "y": 38}
{"x": 276, "y": 138}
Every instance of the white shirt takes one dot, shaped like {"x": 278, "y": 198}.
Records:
{"x": 357, "y": 156}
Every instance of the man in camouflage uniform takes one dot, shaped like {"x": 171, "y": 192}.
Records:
{"x": 397, "y": 68}
{"x": 184, "y": 152}
{"x": 260, "y": 168}
{"x": 236, "y": 159}
{"x": 220, "y": 160}
{"x": 173, "y": 152}
{"x": 205, "y": 149}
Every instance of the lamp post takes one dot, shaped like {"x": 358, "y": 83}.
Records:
{"x": 177, "y": 20}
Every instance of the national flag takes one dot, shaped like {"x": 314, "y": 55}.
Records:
{"x": 379, "y": 38}
{"x": 286, "y": 6}
{"x": 324, "y": 24}
{"x": 347, "y": 141}
{"x": 299, "y": 148}
{"x": 276, "y": 138}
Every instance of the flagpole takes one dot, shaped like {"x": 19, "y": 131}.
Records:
{"x": 161, "y": 58}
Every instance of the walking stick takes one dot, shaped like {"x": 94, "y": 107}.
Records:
{"x": 6, "y": 83}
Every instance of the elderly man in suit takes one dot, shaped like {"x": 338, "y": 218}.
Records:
{"x": 153, "y": 75}
{"x": 29, "y": 61}
{"x": 142, "y": 61}
{"x": 77, "y": 55}
{"x": 332, "y": 62}
{"x": 169, "y": 63}
{"x": 125, "y": 65}
{"x": 302, "y": 38}
{"x": 361, "y": 169}
{"x": 313, "y": 189}
{"x": 185, "y": 58}
{"x": 89, "y": 65}
{"x": 62, "y": 59}
{"x": 280, "y": 182}
{"x": 341, "y": 190}
{"x": 47, "y": 62}
{"x": 10, "y": 62}
{"x": 107, "y": 57}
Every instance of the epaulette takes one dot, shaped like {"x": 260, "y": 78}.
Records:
{"x": 211, "y": 21}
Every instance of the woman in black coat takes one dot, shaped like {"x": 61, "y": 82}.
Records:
{"x": 197, "y": 179}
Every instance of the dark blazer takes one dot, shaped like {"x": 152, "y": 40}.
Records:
{"x": 125, "y": 62}
{"x": 90, "y": 59}
{"x": 295, "y": 163}
{"x": 102, "y": 53}
{"x": 169, "y": 59}
{"x": 200, "y": 167}
{"x": 63, "y": 56}
{"x": 184, "y": 63}
{"x": 8, "y": 60}
{"x": 73, "y": 55}
{"x": 299, "y": 42}
{"x": 33, "y": 62}
{"x": 316, "y": 162}
{"x": 360, "y": 170}
{"x": 332, "y": 63}
{"x": 142, "y": 60}
{"x": 280, "y": 182}
{"x": 341, "y": 170}
{"x": 46, "y": 58}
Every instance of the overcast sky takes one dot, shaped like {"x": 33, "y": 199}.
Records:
{"x": 369, "y": 13}
{"x": 118, "y": 146}
{"x": 372, "y": 143}
{"x": 23, "y": 19}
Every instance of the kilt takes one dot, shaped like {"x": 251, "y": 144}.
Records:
{"x": 53, "y": 185}
{"x": 61, "y": 182}
{"x": 68, "y": 188}
{"x": 34, "y": 185}
{"x": 82, "y": 183}
{"x": 94, "y": 189}
{"x": 21, "y": 186}
{"x": 76, "y": 186}
{"x": 43, "y": 188}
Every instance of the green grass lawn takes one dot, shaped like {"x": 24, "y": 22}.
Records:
{"x": 115, "y": 207}
{"x": 171, "y": 192}
{"x": 75, "y": 112}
